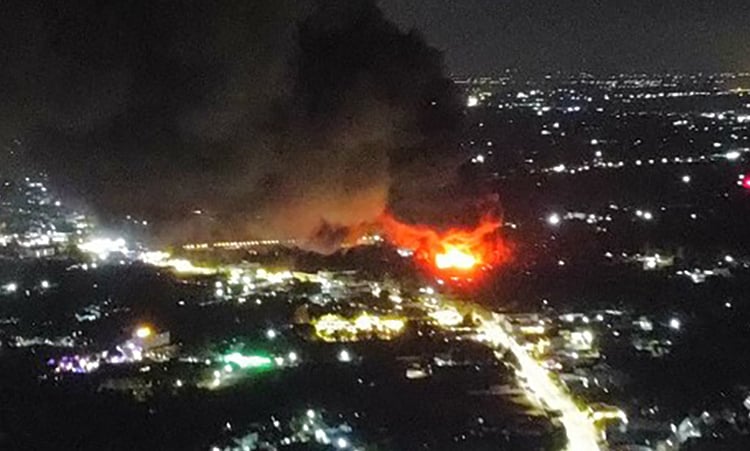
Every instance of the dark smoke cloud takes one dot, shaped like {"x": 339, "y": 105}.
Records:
{"x": 274, "y": 116}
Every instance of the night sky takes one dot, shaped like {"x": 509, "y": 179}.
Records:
{"x": 595, "y": 35}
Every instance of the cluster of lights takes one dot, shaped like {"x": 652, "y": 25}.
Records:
{"x": 237, "y": 244}
{"x": 179, "y": 265}
{"x": 248, "y": 361}
{"x": 306, "y": 428}
{"x": 645, "y": 215}
{"x": 75, "y": 364}
{"x": 103, "y": 247}
{"x": 447, "y": 317}
{"x": 332, "y": 327}
{"x": 599, "y": 163}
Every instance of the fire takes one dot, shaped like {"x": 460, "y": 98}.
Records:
{"x": 454, "y": 251}
{"x": 455, "y": 258}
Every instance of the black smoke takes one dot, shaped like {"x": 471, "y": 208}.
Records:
{"x": 273, "y": 117}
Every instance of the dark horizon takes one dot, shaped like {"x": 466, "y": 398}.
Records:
{"x": 605, "y": 36}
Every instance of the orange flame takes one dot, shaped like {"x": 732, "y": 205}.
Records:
{"x": 454, "y": 251}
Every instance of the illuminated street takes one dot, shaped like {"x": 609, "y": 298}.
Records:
{"x": 580, "y": 430}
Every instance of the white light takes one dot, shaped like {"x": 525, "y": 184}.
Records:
{"x": 553, "y": 219}
{"x": 594, "y": 142}
{"x": 271, "y": 334}
{"x": 102, "y": 247}
{"x": 44, "y": 284}
{"x": 11, "y": 287}
{"x": 344, "y": 356}
{"x": 686, "y": 179}
{"x": 648, "y": 216}
{"x": 729, "y": 259}
{"x": 472, "y": 101}
{"x": 293, "y": 356}
{"x": 342, "y": 443}
{"x": 310, "y": 414}
{"x": 733, "y": 155}
{"x": 675, "y": 324}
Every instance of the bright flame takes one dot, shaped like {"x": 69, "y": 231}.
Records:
{"x": 455, "y": 258}
{"x": 454, "y": 250}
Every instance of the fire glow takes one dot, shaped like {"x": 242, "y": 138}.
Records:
{"x": 454, "y": 251}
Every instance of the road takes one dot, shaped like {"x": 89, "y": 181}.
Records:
{"x": 581, "y": 432}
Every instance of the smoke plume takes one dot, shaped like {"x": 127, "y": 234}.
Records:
{"x": 274, "y": 118}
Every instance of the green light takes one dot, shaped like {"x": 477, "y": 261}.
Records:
{"x": 249, "y": 361}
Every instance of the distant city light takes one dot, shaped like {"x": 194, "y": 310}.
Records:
{"x": 103, "y": 247}
{"x": 271, "y": 334}
{"x": 686, "y": 179}
{"x": 11, "y": 287}
{"x": 675, "y": 324}
{"x": 472, "y": 101}
{"x": 344, "y": 356}
{"x": 143, "y": 332}
{"x": 447, "y": 317}
{"x": 553, "y": 219}
{"x": 732, "y": 155}
{"x": 250, "y": 361}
